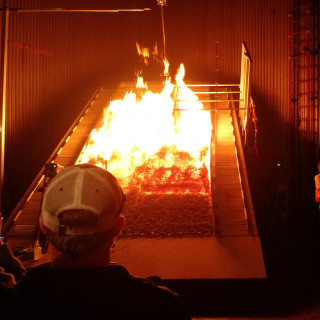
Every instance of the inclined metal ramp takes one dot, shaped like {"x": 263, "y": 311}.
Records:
{"x": 234, "y": 251}
{"x": 232, "y": 203}
{"x": 21, "y": 227}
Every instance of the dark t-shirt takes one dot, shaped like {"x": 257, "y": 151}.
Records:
{"x": 95, "y": 293}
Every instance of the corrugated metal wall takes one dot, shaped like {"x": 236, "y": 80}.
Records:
{"x": 263, "y": 25}
{"x": 56, "y": 60}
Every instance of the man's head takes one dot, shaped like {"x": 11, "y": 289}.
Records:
{"x": 81, "y": 209}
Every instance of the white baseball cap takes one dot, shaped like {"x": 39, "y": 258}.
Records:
{"x": 82, "y": 186}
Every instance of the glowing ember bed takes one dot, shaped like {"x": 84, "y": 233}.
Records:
{"x": 169, "y": 213}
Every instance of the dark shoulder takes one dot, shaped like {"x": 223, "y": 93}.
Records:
{"x": 112, "y": 291}
{"x": 35, "y": 274}
{"x": 159, "y": 300}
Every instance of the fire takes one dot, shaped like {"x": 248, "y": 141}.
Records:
{"x": 150, "y": 144}
{"x": 140, "y": 83}
{"x": 144, "y": 52}
{"x": 166, "y": 67}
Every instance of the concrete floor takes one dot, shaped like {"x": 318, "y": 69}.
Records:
{"x": 290, "y": 291}
{"x": 169, "y": 258}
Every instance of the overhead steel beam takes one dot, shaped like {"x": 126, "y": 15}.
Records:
{"x": 58, "y": 10}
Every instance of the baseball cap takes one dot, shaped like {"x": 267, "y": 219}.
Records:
{"x": 82, "y": 186}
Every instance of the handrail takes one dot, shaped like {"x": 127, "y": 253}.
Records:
{"x": 41, "y": 174}
{"x": 245, "y": 107}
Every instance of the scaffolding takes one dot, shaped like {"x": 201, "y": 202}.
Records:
{"x": 303, "y": 71}
{"x": 303, "y": 85}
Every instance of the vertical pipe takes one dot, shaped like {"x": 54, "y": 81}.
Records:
{"x": 3, "y": 90}
{"x": 316, "y": 74}
{"x": 317, "y": 17}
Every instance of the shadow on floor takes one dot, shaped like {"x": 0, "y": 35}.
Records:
{"x": 292, "y": 262}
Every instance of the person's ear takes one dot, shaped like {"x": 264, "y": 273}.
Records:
{"x": 118, "y": 226}
{"x": 41, "y": 225}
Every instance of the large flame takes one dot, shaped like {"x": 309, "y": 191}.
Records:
{"x": 150, "y": 144}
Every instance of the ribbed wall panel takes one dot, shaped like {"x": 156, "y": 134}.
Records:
{"x": 47, "y": 89}
{"x": 263, "y": 26}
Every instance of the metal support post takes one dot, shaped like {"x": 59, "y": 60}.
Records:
{"x": 3, "y": 90}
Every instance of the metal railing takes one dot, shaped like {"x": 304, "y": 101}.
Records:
{"x": 239, "y": 100}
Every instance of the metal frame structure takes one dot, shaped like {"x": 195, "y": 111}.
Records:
{"x": 303, "y": 53}
{"x": 245, "y": 101}
{"x": 303, "y": 102}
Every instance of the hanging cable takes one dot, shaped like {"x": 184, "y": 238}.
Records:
{"x": 163, "y": 3}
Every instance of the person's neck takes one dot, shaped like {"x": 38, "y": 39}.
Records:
{"x": 100, "y": 257}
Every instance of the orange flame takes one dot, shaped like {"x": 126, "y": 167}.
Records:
{"x": 140, "y": 83}
{"x": 166, "y": 67}
{"x": 152, "y": 135}
{"x": 144, "y": 52}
